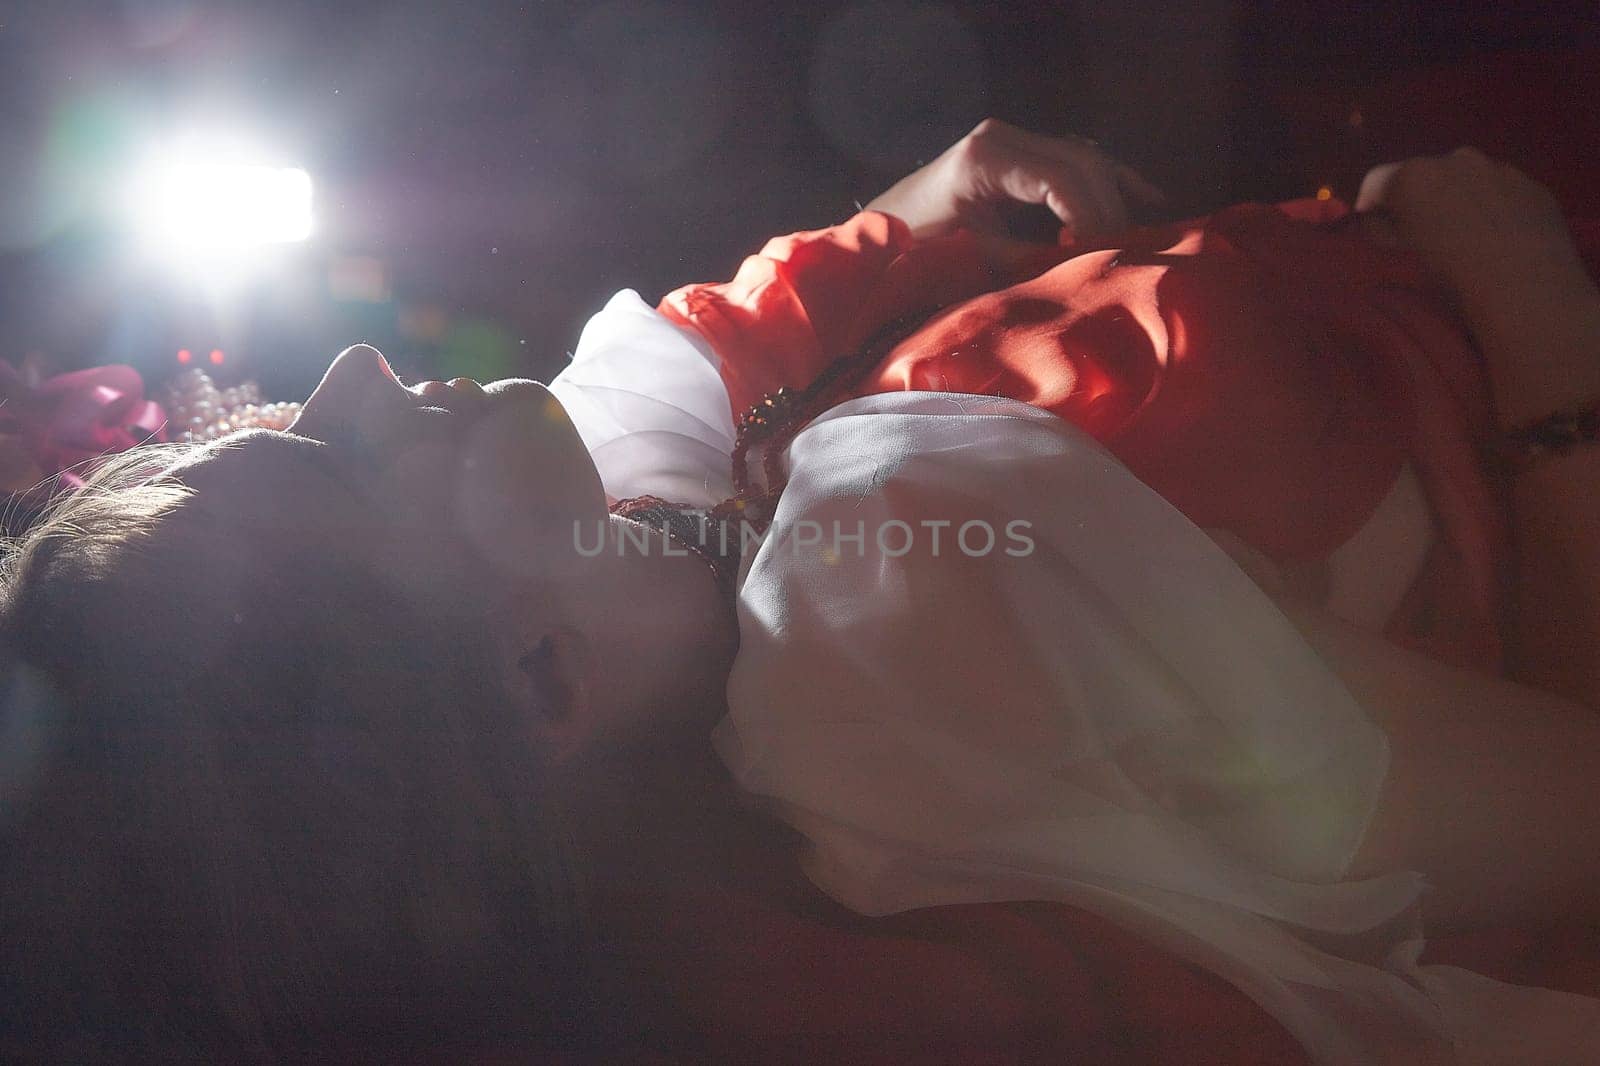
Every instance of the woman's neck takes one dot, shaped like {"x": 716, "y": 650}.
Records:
{"x": 697, "y": 531}
{"x": 669, "y": 632}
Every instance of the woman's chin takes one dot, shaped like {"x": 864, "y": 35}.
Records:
{"x": 529, "y": 494}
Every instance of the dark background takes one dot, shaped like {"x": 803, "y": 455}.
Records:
{"x": 494, "y": 171}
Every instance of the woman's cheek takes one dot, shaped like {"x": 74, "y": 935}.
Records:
{"x": 418, "y": 524}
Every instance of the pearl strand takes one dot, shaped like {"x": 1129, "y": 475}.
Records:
{"x": 199, "y": 411}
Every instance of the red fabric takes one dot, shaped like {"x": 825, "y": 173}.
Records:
{"x": 745, "y": 962}
{"x": 809, "y": 297}
{"x": 1267, "y": 370}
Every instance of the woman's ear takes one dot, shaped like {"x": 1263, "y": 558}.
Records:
{"x": 550, "y": 674}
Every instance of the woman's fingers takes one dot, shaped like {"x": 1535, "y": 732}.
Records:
{"x": 1112, "y": 182}
{"x": 1375, "y": 186}
{"x": 1493, "y": 238}
{"x": 1097, "y": 177}
{"x": 1081, "y": 174}
{"x": 1058, "y": 186}
{"x": 1079, "y": 183}
{"x": 997, "y": 163}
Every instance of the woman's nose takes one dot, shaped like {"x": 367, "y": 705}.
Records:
{"x": 358, "y": 389}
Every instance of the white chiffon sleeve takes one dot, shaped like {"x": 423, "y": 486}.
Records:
{"x": 1115, "y": 717}
{"x": 650, "y": 405}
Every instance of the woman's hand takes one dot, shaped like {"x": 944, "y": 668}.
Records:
{"x": 1492, "y": 234}
{"x": 1497, "y": 240}
{"x": 997, "y": 164}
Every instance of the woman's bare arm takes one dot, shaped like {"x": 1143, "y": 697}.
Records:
{"x": 1492, "y": 789}
{"x": 1491, "y": 792}
{"x": 1498, "y": 241}
{"x": 1556, "y": 601}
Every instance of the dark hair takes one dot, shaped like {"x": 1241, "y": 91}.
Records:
{"x": 249, "y": 802}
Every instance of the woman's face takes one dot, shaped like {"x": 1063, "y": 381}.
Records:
{"x": 459, "y": 490}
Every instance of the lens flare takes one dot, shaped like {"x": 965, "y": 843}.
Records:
{"x": 201, "y": 205}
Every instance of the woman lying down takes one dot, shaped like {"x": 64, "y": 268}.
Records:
{"x": 1158, "y": 574}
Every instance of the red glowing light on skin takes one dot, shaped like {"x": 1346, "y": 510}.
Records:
{"x": 184, "y": 355}
{"x": 217, "y": 357}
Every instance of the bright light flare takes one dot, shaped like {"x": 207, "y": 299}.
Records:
{"x": 187, "y": 205}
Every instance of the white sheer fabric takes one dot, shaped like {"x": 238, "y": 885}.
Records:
{"x": 1115, "y": 717}
{"x": 649, "y": 404}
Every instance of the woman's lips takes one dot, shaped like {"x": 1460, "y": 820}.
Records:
{"x": 469, "y": 401}
{"x": 458, "y": 396}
